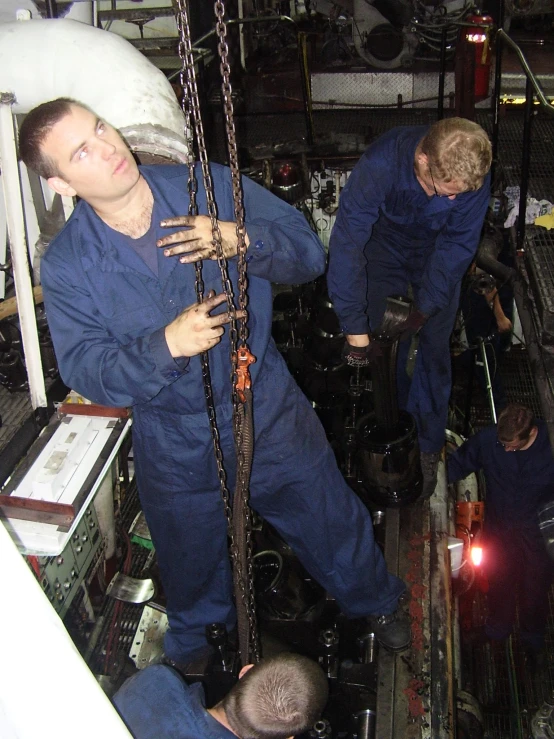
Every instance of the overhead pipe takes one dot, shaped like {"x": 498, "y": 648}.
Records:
{"x": 66, "y": 58}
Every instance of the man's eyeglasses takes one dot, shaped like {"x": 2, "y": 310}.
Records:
{"x": 437, "y": 193}
{"x": 433, "y": 181}
{"x": 513, "y": 446}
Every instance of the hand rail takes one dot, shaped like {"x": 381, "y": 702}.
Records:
{"x": 527, "y": 70}
{"x": 532, "y": 89}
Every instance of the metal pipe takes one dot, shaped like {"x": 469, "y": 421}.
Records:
{"x": 527, "y": 70}
{"x": 442, "y": 74}
{"x": 469, "y": 393}
{"x": 525, "y": 162}
{"x": 51, "y": 9}
{"x": 18, "y": 247}
{"x": 497, "y": 89}
{"x": 488, "y": 383}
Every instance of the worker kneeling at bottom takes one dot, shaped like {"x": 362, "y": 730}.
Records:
{"x": 278, "y": 698}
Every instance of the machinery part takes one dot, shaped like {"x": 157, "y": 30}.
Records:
{"x": 364, "y": 723}
{"x": 60, "y": 576}
{"x": 12, "y": 371}
{"x": 542, "y": 723}
{"x": 546, "y": 525}
{"x": 379, "y": 42}
{"x": 131, "y": 589}
{"x": 482, "y": 283}
{"x": 217, "y": 636}
{"x": 147, "y": 647}
{"x": 329, "y": 646}
{"x": 287, "y": 182}
{"x": 389, "y": 460}
{"x": 321, "y": 730}
{"x": 469, "y": 719}
{"x": 367, "y": 645}
{"x": 281, "y": 590}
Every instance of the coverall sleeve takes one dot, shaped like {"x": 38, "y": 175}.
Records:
{"x": 359, "y": 206}
{"x": 467, "y": 459}
{"x": 454, "y": 250}
{"x": 91, "y": 361}
{"x": 283, "y": 248}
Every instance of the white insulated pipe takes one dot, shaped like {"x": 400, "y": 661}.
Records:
{"x": 18, "y": 248}
{"x": 44, "y": 59}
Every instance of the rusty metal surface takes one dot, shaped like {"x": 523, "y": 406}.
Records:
{"x": 415, "y": 688}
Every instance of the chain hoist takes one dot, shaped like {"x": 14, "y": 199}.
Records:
{"x": 239, "y": 522}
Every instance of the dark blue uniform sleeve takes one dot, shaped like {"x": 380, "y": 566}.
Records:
{"x": 283, "y": 248}
{"x": 454, "y": 250}
{"x": 360, "y": 201}
{"x": 92, "y": 362}
{"x": 467, "y": 459}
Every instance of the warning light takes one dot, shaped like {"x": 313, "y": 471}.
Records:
{"x": 476, "y": 555}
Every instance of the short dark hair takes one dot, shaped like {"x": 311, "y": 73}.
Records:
{"x": 515, "y": 423}
{"x": 279, "y": 697}
{"x": 36, "y": 126}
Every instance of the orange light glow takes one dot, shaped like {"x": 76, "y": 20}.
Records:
{"x": 476, "y": 38}
{"x": 476, "y": 555}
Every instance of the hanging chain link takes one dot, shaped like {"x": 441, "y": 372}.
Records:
{"x": 243, "y": 463}
{"x": 242, "y": 560}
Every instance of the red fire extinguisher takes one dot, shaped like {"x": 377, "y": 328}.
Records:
{"x": 480, "y": 39}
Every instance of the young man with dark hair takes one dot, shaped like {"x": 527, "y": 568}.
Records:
{"x": 516, "y": 458}
{"x": 278, "y": 698}
{"x": 128, "y": 331}
{"x": 410, "y": 215}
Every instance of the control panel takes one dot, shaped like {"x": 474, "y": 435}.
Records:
{"x": 61, "y": 575}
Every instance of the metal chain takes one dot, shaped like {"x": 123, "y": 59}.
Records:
{"x": 188, "y": 82}
{"x": 243, "y": 464}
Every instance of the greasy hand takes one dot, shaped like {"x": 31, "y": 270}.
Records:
{"x": 194, "y": 331}
{"x": 196, "y": 242}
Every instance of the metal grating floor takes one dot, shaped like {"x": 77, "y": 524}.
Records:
{"x": 508, "y": 691}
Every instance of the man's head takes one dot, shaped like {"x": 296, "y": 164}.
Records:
{"x": 453, "y": 157}
{"x": 79, "y": 154}
{"x": 516, "y": 427}
{"x": 278, "y": 698}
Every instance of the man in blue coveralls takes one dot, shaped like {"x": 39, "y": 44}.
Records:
{"x": 280, "y": 697}
{"x": 516, "y": 458}
{"x": 411, "y": 214}
{"x": 121, "y": 305}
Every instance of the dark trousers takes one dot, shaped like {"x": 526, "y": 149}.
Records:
{"x": 296, "y": 486}
{"x": 519, "y": 570}
{"x": 427, "y": 393}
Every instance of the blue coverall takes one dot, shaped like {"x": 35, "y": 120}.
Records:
{"x": 107, "y": 312}
{"x": 389, "y": 234}
{"x": 514, "y": 555}
{"x": 156, "y": 703}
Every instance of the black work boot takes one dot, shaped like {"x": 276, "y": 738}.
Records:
{"x": 392, "y": 630}
{"x": 429, "y": 466}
